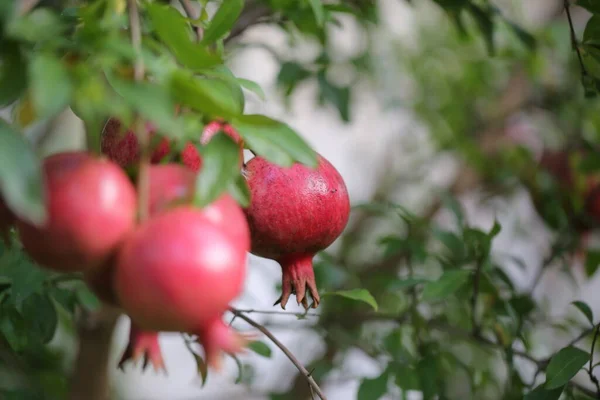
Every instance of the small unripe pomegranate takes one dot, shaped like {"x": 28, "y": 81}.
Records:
{"x": 178, "y": 270}
{"x": 143, "y": 345}
{"x": 124, "y": 148}
{"x": 91, "y": 208}
{"x": 7, "y": 220}
{"x": 295, "y": 213}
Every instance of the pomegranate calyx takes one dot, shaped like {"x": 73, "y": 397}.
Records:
{"x": 144, "y": 345}
{"x": 218, "y": 338}
{"x": 298, "y": 278}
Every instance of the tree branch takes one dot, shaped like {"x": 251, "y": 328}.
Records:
{"x": 313, "y": 384}
{"x": 252, "y": 14}
{"x": 574, "y": 43}
{"x": 191, "y": 13}
{"x": 591, "y": 366}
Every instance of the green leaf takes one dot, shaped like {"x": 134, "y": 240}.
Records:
{"x": 448, "y": 284}
{"x": 290, "y": 75}
{"x": 40, "y": 25}
{"x": 407, "y": 378}
{"x": 51, "y": 87}
{"x": 214, "y": 97}
{"x": 239, "y": 190}
{"x": 585, "y": 310}
{"x": 592, "y": 6}
{"x": 373, "y": 389}
{"x": 21, "y": 182}
{"x": 40, "y": 317}
{"x": 591, "y": 34}
{"x": 318, "y": 10}
{"x": 274, "y": 140}
{"x": 13, "y": 74}
{"x": 541, "y": 393}
{"x": 338, "y": 96}
{"x": 223, "y": 20}
{"x": 592, "y": 262}
{"x": 220, "y": 168}
{"x": 174, "y": 31}
{"x": 87, "y": 298}
{"x": 253, "y": 87}
{"x": 564, "y": 365}
{"x": 201, "y": 367}
{"x": 152, "y": 102}
{"x": 356, "y": 294}
{"x": 407, "y": 283}
{"x": 26, "y": 277}
{"x": 260, "y": 348}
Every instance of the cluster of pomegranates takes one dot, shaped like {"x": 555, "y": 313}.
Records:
{"x": 179, "y": 269}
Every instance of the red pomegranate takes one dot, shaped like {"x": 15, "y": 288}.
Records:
{"x": 124, "y": 148}
{"x": 143, "y": 345}
{"x": 91, "y": 208}
{"x": 295, "y": 212}
{"x": 178, "y": 271}
{"x": 7, "y": 220}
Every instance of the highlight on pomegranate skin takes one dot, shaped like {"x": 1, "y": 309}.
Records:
{"x": 92, "y": 206}
{"x": 295, "y": 212}
{"x": 143, "y": 345}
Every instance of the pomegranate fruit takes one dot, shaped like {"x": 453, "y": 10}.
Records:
{"x": 178, "y": 270}
{"x": 145, "y": 345}
{"x": 124, "y": 149}
{"x": 295, "y": 212}
{"x": 7, "y": 220}
{"x": 91, "y": 208}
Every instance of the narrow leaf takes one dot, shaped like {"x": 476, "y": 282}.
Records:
{"x": 220, "y": 158}
{"x": 541, "y": 393}
{"x": 50, "y": 85}
{"x": 585, "y": 310}
{"x": 253, "y": 87}
{"x": 223, "y": 20}
{"x": 356, "y": 294}
{"x": 564, "y": 365}
{"x": 373, "y": 389}
{"x": 318, "y": 10}
{"x": 274, "y": 140}
{"x": 260, "y": 348}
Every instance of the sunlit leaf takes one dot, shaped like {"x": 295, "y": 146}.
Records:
{"x": 355, "y": 294}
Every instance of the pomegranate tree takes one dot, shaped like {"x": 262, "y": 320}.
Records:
{"x": 295, "y": 212}
{"x": 91, "y": 208}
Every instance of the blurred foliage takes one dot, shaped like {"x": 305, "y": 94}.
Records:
{"x": 436, "y": 310}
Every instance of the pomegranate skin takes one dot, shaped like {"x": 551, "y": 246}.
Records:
{"x": 295, "y": 212}
{"x": 143, "y": 345}
{"x": 178, "y": 270}
{"x": 91, "y": 208}
{"x": 124, "y": 148}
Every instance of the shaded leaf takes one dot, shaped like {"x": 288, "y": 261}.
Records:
{"x": 201, "y": 367}
{"x": 592, "y": 6}
{"x": 239, "y": 190}
{"x": 356, "y": 294}
{"x": 338, "y": 96}
{"x": 40, "y": 317}
{"x": 591, "y": 34}
{"x": 223, "y": 20}
{"x": 220, "y": 160}
{"x": 253, "y": 87}
{"x": 373, "y": 389}
{"x": 448, "y": 284}
{"x": 585, "y": 310}
{"x": 564, "y": 365}
{"x": 541, "y": 393}
{"x": 318, "y": 11}
{"x": 260, "y": 348}
{"x": 592, "y": 261}
{"x": 13, "y": 74}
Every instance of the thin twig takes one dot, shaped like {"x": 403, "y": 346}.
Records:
{"x": 269, "y": 312}
{"x": 543, "y": 268}
{"x": 580, "y": 337}
{"x": 191, "y": 13}
{"x": 251, "y": 15}
{"x": 574, "y": 43}
{"x": 313, "y": 384}
{"x": 591, "y": 369}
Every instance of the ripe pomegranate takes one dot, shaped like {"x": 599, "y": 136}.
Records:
{"x": 124, "y": 149}
{"x": 91, "y": 208}
{"x": 178, "y": 272}
{"x": 145, "y": 345}
{"x": 295, "y": 212}
{"x": 7, "y": 219}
